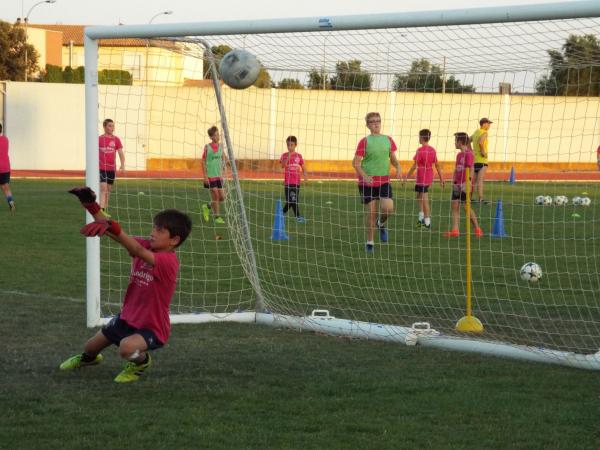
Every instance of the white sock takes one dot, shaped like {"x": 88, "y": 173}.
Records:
{"x": 370, "y": 242}
{"x": 427, "y": 221}
{"x": 421, "y": 216}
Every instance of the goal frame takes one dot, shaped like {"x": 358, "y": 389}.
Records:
{"x": 318, "y": 321}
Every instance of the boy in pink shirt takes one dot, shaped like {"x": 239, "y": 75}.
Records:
{"x": 5, "y": 171}
{"x": 292, "y": 164}
{"x": 108, "y": 146}
{"x": 143, "y": 323}
{"x": 460, "y": 184}
{"x": 424, "y": 160}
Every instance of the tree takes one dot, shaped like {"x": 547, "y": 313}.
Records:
{"x": 264, "y": 79}
{"x": 290, "y": 83}
{"x": 350, "y": 77}
{"x": 218, "y": 51}
{"x": 426, "y": 77}
{"x": 575, "y": 71}
{"x": 317, "y": 79}
{"x": 12, "y": 53}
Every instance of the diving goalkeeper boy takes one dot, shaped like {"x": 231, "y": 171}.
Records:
{"x": 143, "y": 323}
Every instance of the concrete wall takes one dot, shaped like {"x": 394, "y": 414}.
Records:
{"x": 45, "y": 123}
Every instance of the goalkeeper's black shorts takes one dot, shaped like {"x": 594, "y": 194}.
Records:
{"x": 117, "y": 329}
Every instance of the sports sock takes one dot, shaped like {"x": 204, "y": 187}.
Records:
{"x": 427, "y": 221}
{"x": 145, "y": 361}
{"x": 9, "y": 198}
{"x": 86, "y": 358}
{"x": 370, "y": 242}
{"x": 421, "y": 216}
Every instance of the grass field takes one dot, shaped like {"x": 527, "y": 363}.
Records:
{"x": 240, "y": 386}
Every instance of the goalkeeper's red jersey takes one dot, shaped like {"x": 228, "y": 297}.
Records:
{"x": 150, "y": 290}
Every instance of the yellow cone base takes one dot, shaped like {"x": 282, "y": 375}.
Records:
{"x": 469, "y": 324}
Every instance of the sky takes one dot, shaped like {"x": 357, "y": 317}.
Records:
{"x": 113, "y": 12}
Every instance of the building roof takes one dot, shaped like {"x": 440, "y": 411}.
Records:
{"x": 75, "y": 33}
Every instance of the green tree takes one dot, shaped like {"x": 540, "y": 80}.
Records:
{"x": 218, "y": 51}
{"x": 12, "y": 53}
{"x": 426, "y": 77}
{"x": 574, "y": 71}
{"x": 350, "y": 77}
{"x": 290, "y": 83}
{"x": 317, "y": 79}
{"x": 264, "y": 79}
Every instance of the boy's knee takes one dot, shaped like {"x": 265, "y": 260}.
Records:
{"x": 128, "y": 351}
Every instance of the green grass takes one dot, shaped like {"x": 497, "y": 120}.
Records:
{"x": 241, "y": 386}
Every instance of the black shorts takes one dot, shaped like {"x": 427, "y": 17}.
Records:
{"x": 117, "y": 329}
{"x": 107, "y": 176}
{"x": 421, "y": 188}
{"x": 292, "y": 192}
{"x": 478, "y": 166}
{"x": 214, "y": 184}
{"x": 370, "y": 193}
{"x": 458, "y": 194}
{"x": 5, "y": 178}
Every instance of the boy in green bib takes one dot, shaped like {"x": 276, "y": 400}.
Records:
{"x": 212, "y": 166}
{"x": 372, "y": 165}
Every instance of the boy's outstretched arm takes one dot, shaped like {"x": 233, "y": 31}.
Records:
{"x": 112, "y": 228}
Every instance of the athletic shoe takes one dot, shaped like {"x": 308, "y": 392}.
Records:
{"x": 427, "y": 227}
{"x": 300, "y": 219}
{"x": 451, "y": 234}
{"x": 219, "y": 220}
{"x": 420, "y": 223}
{"x": 105, "y": 213}
{"x": 478, "y": 232}
{"x": 75, "y": 362}
{"x": 11, "y": 206}
{"x": 369, "y": 248}
{"x": 383, "y": 234}
{"x": 205, "y": 212}
{"x": 132, "y": 371}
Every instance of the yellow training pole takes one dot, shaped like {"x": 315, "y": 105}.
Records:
{"x": 469, "y": 323}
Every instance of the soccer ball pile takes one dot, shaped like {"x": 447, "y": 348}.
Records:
{"x": 582, "y": 201}
{"x": 531, "y": 272}
{"x": 544, "y": 200}
{"x": 239, "y": 69}
{"x": 560, "y": 200}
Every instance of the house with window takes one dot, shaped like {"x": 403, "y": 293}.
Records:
{"x": 150, "y": 62}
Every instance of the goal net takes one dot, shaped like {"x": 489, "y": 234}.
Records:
{"x": 538, "y": 81}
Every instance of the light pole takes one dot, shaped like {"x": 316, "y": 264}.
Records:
{"x": 162, "y": 13}
{"x": 26, "y": 20}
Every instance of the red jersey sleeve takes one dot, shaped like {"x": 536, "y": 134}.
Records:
{"x": 283, "y": 158}
{"x": 204, "y": 152}
{"x": 393, "y": 147}
{"x": 598, "y": 151}
{"x": 301, "y": 160}
{"x": 361, "y": 147}
{"x": 118, "y": 145}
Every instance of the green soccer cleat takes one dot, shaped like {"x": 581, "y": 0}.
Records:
{"x": 11, "y": 206}
{"x": 219, "y": 220}
{"x": 205, "y": 212}
{"x": 132, "y": 371}
{"x": 75, "y": 362}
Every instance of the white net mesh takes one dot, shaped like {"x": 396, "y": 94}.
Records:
{"x": 441, "y": 78}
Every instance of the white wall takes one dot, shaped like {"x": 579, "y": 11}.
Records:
{"x": 45, "y": 123}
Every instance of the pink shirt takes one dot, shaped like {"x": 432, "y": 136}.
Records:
{"x": 463, "y": 160}
{"x": 361, "y": 150}
{"x": 425, "y": 158}
{"x": 4, "y": 160}
{"x": 293, "y": 169}
{"x": 108, "y": 146}
{"x": 149, "y": 293}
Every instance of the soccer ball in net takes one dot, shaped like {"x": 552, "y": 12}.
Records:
{"x": 576, "y": 201}
{"x": 539, "y": 200}
{"x": 585, "y": 201}
{"x": 239, "y": 69}
{"x": 531, "y": 272}
{"x": 547, "y": 200}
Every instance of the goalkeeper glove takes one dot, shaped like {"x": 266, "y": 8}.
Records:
{"x": 100, "y": 227}
{"x": 87, "y": 197}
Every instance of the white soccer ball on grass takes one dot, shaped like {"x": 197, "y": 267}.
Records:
{"x": 547, "y": 200}
{"x": 539, "y": 200}
{"x": 576, "y": 201}
{"x": 585, "y": 201}
{"x": 560, "y": 200}
{"x": 531, "y": 272}
{"x": 239, "y": 68}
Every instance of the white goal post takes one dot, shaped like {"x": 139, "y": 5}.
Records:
{"x": 306, "y": 284}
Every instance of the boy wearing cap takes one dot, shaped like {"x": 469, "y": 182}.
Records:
{"x": 480, "y": 150}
